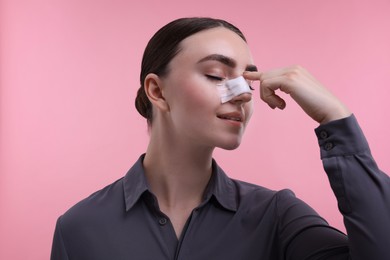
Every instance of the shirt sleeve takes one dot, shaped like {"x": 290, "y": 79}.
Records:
{"x": 363, "y": 196}
{"x": 58, "y": 251}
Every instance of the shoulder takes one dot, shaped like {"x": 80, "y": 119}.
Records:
{"x": 253, "y": 194}
{"x": 97, "y": 206}
{"x": 251, "y": 189}
{"x": 280, "y": 205}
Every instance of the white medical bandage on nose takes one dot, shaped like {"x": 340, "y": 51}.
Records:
{"x": 232, "y": 88}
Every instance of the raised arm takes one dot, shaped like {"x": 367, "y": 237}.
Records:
{"x": 361, "y": 189}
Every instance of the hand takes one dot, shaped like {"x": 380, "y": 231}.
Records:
{"x": 310, "y": 95}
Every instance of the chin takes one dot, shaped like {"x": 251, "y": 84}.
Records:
{"x": 230, "y": 145}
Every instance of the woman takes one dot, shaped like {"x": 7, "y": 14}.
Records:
{"x": 177, "y": 203}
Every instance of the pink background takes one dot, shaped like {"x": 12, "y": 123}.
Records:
{"x": 69, "y": 74}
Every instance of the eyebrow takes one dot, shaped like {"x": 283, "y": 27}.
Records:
{"x": 227, "y": 61}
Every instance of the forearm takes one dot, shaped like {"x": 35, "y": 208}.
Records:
{"x": 361, "y": 189}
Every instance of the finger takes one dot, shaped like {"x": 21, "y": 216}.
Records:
{"x": 276, "y": 83}
{"x": 252, "y": 75}
{"x": 257, "y": 75}
{"x": 274, "y": 101}
{"x": 268, "y": 96}
{"x": 274, "y": 73}
{"x": 288, "y": 72}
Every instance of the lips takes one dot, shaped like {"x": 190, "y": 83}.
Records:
{"x": 234, "y": 116}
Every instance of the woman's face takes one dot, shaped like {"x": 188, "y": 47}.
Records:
{"x": 190, "y": 89}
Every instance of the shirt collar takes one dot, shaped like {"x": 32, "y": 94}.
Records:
{"x": 220, "y": 186}
{"x": 134, "y": 183}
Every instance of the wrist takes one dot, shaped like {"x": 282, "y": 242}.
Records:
{"x": 337, "y": 113}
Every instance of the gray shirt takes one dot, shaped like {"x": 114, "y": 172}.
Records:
{"x": 238, "y": 220}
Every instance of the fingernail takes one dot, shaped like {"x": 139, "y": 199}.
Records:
{"x": 281, "y": 105}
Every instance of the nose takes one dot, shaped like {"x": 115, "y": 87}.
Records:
{"x": 242, "y": 98}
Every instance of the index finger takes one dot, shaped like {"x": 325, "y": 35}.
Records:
{"x": 252, "y": 75}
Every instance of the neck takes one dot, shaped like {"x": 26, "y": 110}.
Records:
{"x": 177, "y": 171}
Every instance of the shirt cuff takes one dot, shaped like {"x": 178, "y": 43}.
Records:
{"x": 341, "y": 137}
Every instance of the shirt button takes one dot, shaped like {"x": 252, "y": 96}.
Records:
{"x": 323, "y": 134}
{"x": 162, "y": 221}
{"x": 328, "y": 146}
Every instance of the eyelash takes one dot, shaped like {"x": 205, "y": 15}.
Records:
{"x": 211, "y": 77}
{"x": 214, "y": 78}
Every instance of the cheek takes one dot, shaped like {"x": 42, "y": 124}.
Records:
{"x": 204, "y": 96}
{"x": 193, "y": 96}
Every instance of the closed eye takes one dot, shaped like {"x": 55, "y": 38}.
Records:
{"x": 214, "y": 78}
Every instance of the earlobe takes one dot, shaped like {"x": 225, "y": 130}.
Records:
{"x": 154, "y": 91}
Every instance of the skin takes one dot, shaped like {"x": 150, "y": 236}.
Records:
{"x": 318, "y": 103}
{"x": 189, "y": 121}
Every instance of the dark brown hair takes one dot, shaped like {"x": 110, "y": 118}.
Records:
{"x": 164, "y": 46}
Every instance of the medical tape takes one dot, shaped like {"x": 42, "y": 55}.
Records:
{"x": 232, "y": 88}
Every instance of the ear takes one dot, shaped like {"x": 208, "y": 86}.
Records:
{"x": 154, "y": 92}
